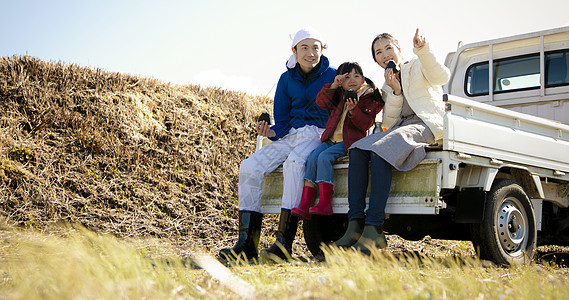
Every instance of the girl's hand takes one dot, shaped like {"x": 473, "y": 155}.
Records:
{"x": 338, "y": 80}
{"x": 351, "y": 104}
{"x": 392, "y": 81}
{"x": 418, "y": 40}
{"x": 264, "y": 129}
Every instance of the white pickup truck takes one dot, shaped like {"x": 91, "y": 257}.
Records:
{"x": 500, "y": 175}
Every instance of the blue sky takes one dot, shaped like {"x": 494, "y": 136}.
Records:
{"x": 243, "y": 45}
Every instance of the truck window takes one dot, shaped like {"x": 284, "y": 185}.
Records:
{"x": 556, "y": 65}
{"x": 518, "y": 73}
{"x": 477, "y": 80}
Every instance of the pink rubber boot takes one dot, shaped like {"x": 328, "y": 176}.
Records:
{"x": 308, "y": 194}
{"x": 324, "y": 206}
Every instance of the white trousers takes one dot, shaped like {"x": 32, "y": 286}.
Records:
{"x": 291, "y": 151}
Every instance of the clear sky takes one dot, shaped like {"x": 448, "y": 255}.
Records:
{"x": 243, "y": 45}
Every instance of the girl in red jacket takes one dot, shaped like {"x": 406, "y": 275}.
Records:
{"x": 351, "y": 117}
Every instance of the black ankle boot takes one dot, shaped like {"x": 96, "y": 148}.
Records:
{"x": 282, "y": 248}
{"x": 249, "y": 232}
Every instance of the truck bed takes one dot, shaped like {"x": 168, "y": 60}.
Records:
{"x": 484, "y": 130}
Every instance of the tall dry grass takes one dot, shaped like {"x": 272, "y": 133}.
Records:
{"x": 121, "y": 154}
{"x": 79, "y": 264}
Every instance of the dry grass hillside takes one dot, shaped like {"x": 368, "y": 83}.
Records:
{"x": 121, "y": 154}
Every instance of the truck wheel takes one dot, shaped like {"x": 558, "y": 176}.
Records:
{"x": 323, "y": 229}
{"x": 507, "y": 235}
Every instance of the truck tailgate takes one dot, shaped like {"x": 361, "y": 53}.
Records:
{"x": 413, "y": 192}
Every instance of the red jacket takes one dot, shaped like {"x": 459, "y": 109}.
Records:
{"x": 356, "y": 126}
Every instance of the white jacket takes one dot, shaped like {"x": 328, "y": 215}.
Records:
{"x": 421, "y": 80}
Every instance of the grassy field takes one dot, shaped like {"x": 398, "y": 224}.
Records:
{"x": 79, "y": 264}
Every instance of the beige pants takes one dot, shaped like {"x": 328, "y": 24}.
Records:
{"x": 291, "y": 151}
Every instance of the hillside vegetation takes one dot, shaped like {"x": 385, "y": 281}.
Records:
{"x": 121, "y": 154}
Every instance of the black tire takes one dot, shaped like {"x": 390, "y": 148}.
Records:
{"x": 323, "y": 229}
{"x": 508, "y": 234}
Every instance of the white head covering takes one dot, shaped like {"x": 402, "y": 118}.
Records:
{"x": 301, "y": 34}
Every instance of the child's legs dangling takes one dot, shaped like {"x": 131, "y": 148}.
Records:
{"x": 325, "y": 178}
{"x": 326, "y": 159}
{"x": 311, "y": 171}
{"x": 309, "y": 189}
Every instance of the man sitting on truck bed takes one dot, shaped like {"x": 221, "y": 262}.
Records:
{"x": 299, "y": 122}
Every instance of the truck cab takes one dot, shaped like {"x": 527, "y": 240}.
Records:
{"x": 528, "y": 75}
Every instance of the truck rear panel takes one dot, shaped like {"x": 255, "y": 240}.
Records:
{"x": 413, "y": 192}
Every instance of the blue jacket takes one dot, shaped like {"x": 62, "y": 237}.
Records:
{"x": 295, "y": 99}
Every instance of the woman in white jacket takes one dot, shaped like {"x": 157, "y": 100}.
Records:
{"x": 413, "y": 114}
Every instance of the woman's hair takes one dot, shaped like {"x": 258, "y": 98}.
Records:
{"x": 386, "y": 36}
{"x": 348, "y": 67}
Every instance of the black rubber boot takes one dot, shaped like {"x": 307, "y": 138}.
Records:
{"x": 249, "y": 232}
{"x": 352, "y": 235}
{"x": 372, "y": 237}
{"x": 282, "y": 248}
